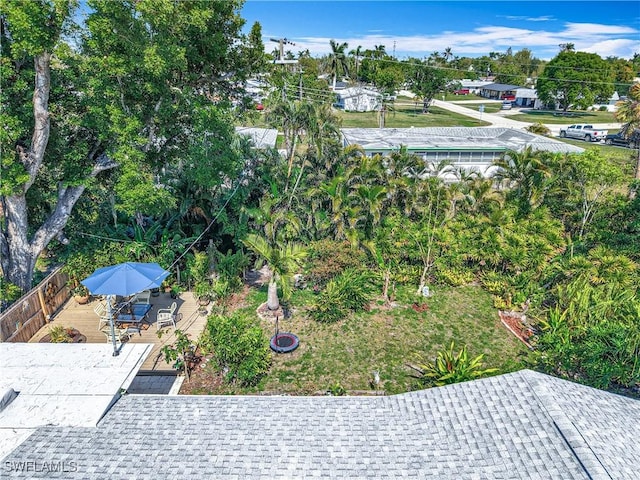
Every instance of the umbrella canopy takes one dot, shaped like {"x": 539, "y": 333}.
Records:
{"x": 125, "y": 278}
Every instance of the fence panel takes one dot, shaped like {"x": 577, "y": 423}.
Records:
{"x": 34, "y": 309}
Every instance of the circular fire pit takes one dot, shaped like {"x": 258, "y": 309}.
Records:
{"x": 284, "y": 342}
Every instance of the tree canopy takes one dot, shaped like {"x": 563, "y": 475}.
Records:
{"x": 575, "y": 78}
{"x": 113, "y": 101}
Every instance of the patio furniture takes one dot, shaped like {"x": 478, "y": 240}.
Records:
{"x": 120, "y": 334}
{"x": 166, "y": 316}
{"x": 101, "y": 311}
{"x": 132, "y": 315}
{"x": 143, "y": 297}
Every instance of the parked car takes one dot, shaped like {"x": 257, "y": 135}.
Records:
{"x": 506, "y": 105}
{"x": 462, "y": 91}
{"x": 509, "y": 97}
{"x": 632, "y": 141}
{"x": 583, "y": 132}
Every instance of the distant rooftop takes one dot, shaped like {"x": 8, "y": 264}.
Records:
{"x": 260, "y": 137}
{"x": 500, "y": 87}
{"x": 453, "y": 138}
{"x": 523, "y": 425}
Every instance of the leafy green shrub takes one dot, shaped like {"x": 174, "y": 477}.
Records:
{"x": 406, "y": 274}
{"x": 239, "y": 346}
{"x": 60, "y": 334}
{"x": 454, "y": 276}
{"x": 449, "y": 367}
{"x": 230, "y": 266}
{"x": 8, "y": 293}
{"x": 327, "y": 258}
{"x": 352, "y": 290}
{"x": 539, "y": 129}
{"x": 336, "y": 390}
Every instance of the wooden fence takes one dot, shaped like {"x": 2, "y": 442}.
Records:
{"x": 33, "y": 310}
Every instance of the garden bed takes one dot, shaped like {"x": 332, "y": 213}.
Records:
{"x": 516, "y": 324}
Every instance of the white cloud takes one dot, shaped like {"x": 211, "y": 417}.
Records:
{"x": 579, "y": 29}
{"x": 605, "y": 40}
{"x": 624, "y": 48}
{"x": 542, "y": 18}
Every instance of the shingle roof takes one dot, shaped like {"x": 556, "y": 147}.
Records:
{"x": 500, "y": 87}
{"x": 519, "y": 425}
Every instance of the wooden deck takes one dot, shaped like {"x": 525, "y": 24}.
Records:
{"x": 84, "y": 319}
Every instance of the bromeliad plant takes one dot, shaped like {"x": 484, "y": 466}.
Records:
{"x": 449, "y": 367}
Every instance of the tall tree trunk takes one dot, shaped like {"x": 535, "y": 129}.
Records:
{"x": 273, "y": 303}
{"x": 18, "y": 253}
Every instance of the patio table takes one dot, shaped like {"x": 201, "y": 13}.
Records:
{"x": 132, "y": 314}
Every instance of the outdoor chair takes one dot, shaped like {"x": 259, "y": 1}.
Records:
{"x": 101, "y": 311}
{"x": 120, "y": 334}
{"x": 166, "y": 316}
{"x": 143, "y": 297}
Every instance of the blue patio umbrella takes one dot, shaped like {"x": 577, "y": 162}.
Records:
{"x": 124, "y": 279}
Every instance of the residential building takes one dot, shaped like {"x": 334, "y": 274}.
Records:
{"x": 522, "y": 425}
{"x": 358, "y": 99}
{"x": 467, "y": 148}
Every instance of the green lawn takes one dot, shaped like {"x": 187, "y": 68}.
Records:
{"x": 384, "y": 339}
{"x": 575, "y": 116}
{"x": 408, "y": 116}
{"x": 625, "y": 157}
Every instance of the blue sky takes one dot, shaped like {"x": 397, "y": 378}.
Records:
{"x": 608, "y": 28}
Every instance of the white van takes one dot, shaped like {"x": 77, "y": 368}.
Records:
{"x": 506, "y": 105}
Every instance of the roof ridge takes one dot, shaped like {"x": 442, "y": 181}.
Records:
{"x": 571, "y": 434}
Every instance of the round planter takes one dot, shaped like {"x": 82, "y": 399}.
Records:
{"x": 81, "y": 300}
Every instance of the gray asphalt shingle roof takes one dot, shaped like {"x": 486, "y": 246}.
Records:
{"x": 519, "y": 425}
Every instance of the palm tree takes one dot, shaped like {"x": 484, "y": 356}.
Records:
{"x": 447, "y": 55}
{"x": 293, "y": 118}
{"x": 567, "y": 47}
{"x": 379, "y": 51}
{"x": 356, "y": 55}
{"x": 525, "y": 174}
{"x": 629, "y": 113}
{"x": 338, "y": 60}
{"x": 282, "y": 260}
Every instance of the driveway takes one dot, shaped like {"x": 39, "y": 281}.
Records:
{"x": 498, "y": 120}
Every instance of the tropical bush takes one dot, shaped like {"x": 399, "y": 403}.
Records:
{"x": 591, "y": 330}
{"x": 351, "y": 291}
{"x": 8, "y": 293}
{"x": 449, "y": 367}
{"x": 454, "y": 276}
{"x": 539, "y": 129}
{"x": 239, "y": 346}
{"x": 327, "y": 258}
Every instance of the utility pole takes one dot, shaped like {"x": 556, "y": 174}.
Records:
{"x": 282, "y": 42}
{"x": 300, "y": 85}
{"x": 280, "y": 60}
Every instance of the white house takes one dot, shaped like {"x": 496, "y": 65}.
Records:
{"x": 464, "y": 148}
{"x": 474, "y": 86}
{"x": 358, "y": 99}
{"x": 528, "y": 98}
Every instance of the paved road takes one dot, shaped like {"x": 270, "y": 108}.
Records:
{"x": 498, "y": 120}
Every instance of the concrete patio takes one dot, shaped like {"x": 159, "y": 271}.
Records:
{"x": 84, "y": 319}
